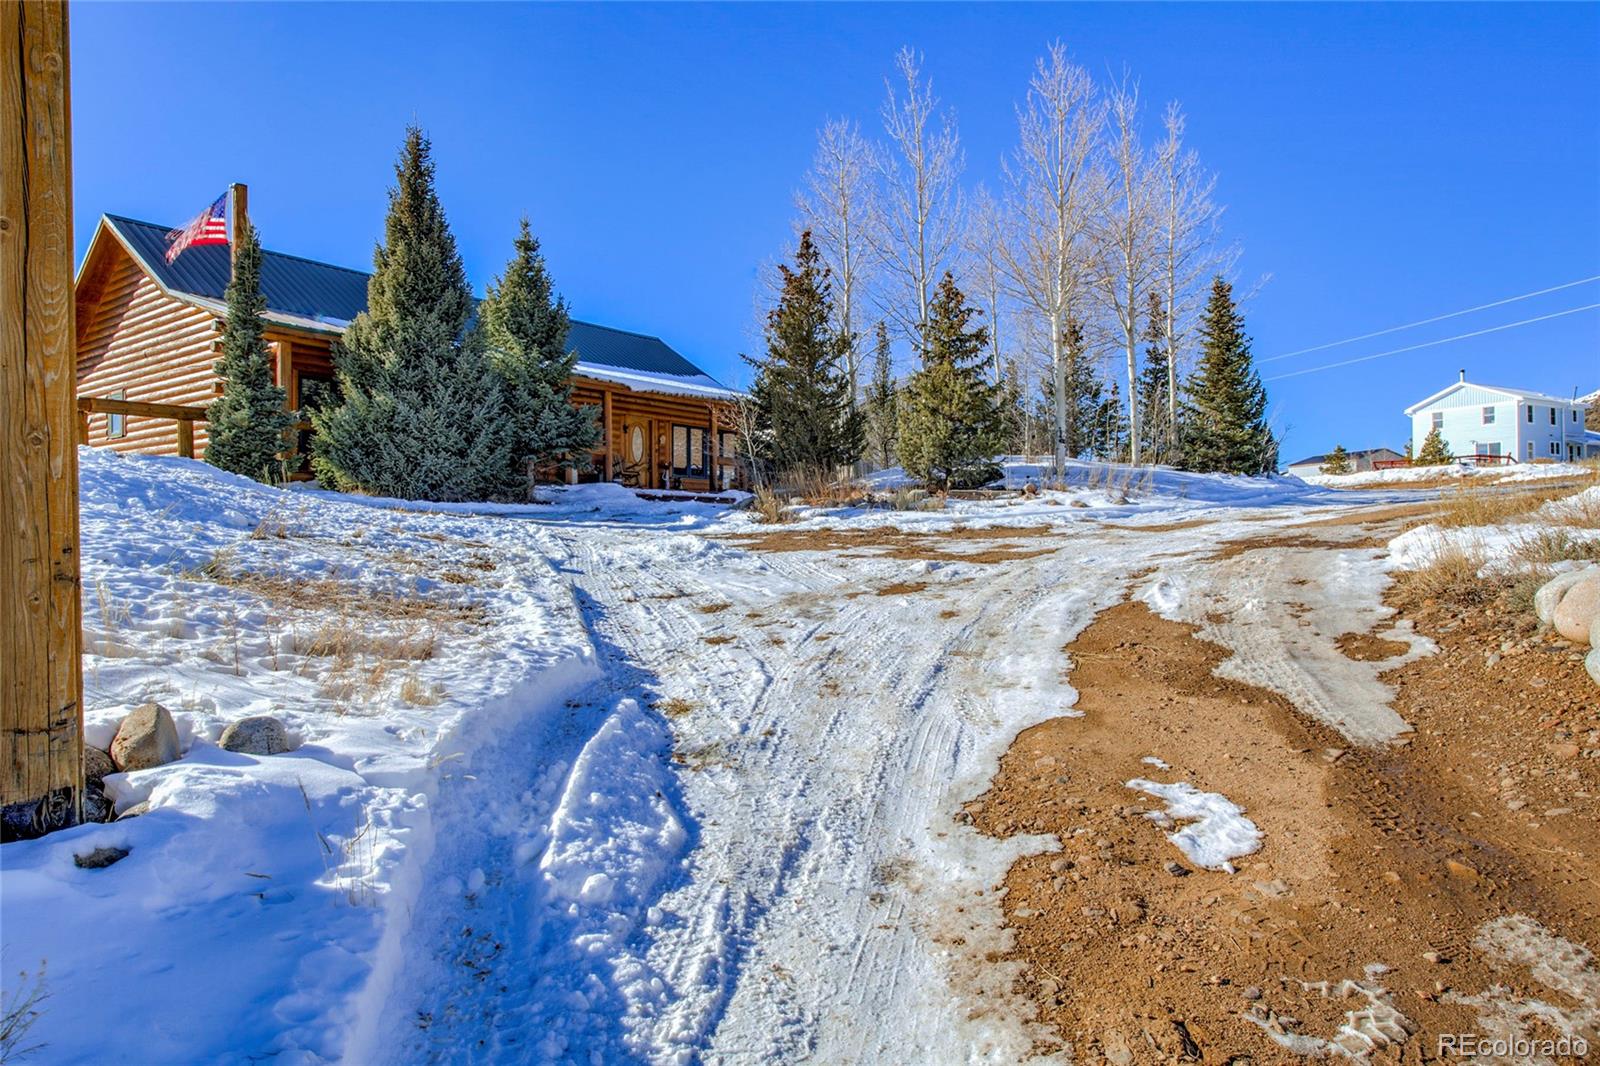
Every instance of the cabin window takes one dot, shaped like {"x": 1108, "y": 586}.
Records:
{"x": 316, "y": 391}
{"x": 1488, "y": 416}
{"x": 636, "y": 445}
{"x": 691, "y": 451}
{"x": 117, "y": 424}
{"x": 1438, "y": 420}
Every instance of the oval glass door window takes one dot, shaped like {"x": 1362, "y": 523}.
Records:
{"x": 636, "y": 445}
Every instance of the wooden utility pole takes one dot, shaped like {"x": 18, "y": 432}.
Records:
{"x": 41, "y": 617}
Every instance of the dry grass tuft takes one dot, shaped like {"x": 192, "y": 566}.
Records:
{"x": 1451, "y": 577}
{"x": 770, "y": 508}
{"x": 675, "y": 707}
{"x": 1469, "y": 504}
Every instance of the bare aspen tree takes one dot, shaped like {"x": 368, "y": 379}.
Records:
{"x": 917, "y": 217}
{"x": 1127, "y": 261}
{"x": 985, "y": 267}
{"x": 835, "y": 206}
{"x": 1189, "y": 252}
{"x": 1052, "y": 196}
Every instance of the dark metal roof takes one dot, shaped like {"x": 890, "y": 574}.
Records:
{"x": 292, "y": 285}
{"x": 308, "y": 289}
{"x": 628, "y": 351}
{"x": 1351, "y": 455}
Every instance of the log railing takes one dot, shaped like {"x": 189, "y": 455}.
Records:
{"x": 186, "y": 417}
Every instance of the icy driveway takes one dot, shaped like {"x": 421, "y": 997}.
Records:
{"x": 827, "y": 713}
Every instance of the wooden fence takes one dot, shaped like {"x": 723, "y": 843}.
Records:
{"x": 186, "y": 417}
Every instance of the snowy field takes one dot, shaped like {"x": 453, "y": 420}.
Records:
{"x": 1404, "y": 475}
{"x": 590, "y": 781}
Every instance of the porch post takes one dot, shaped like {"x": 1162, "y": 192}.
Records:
{"x": 286, "y": 383}
{"x": 605, "y": 416}
{"x": 714, "y": 475}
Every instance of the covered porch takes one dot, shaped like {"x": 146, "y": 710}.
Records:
{"x": 657, "y": 440}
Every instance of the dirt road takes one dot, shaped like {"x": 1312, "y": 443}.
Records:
{"x": 901, "y": 765}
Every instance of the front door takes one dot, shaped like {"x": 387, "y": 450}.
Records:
{"x": 634, "y": 453}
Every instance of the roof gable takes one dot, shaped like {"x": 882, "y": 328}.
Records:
{"x": 298, "y": 288}
{"x": 1477, "y": 394}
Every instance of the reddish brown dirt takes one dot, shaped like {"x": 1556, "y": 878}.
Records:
{"x": 990, "y": 545}
{"x": 1366, "y": 648}
{"x": 1394, "y": 856}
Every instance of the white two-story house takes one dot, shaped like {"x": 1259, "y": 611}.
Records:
{"x": 1487, "y": 420}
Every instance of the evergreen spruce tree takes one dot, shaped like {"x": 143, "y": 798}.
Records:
{"x": 421, "y": 413}
{"x": 247, "y": 424}
{"x": 525, "y": 328}
{"x": 1336, "y": 461}
{"x": 1434, "y": 452}
{"x": 882, "y": 417}
{"x": 1085, "y": 392}
{"x": 1155, "y": 435}
{"x": 1109, "y": 438}
{"x": 950, "y": 420}
{"x": 807, "y": 421}
{"x": 1225, "y": 408}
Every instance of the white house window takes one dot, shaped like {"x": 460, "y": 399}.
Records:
{"x": 117, "y": 424}
{"x": 1492, "y": 448}
{"x": 1574, "y": 414}
{"x": 1438, "y": 420}
{"x": 1488, "y": 416}
{"x": 1530, "y": 412}
{"x": 1552, "y": 416}
{"x": 1555, "y": 449}
{"x": 1530, "y": 449}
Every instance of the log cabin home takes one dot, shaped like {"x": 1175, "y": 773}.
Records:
{"x": 148, "y": 331}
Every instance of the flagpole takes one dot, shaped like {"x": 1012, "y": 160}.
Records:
{"x": 238, "y": 212}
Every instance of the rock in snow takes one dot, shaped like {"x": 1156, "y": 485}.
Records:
{"x": 97, "y": 764}
{"x": 260, "y": 734}
{"x": 147, "y": 737}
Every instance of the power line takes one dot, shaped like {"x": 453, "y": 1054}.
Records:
{"x": 1427, "y": 321}
{"x": 1430, "y": 344}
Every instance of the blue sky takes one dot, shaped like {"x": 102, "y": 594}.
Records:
{"x": 1380, "y": 163}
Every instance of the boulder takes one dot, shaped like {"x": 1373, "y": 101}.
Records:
{"x": 1551, "y": 592}
{"x": 1591, "y": 663}
{"x": 142, "y": 807}
{"x": 147, "y": 737}
{"x": 97, "y": 764}
{"x": 1577, "y": 610}
{"x": 99, "y": 858}
{"x": 260, "y": 734}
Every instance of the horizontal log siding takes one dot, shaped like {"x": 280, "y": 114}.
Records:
{"x": 660, "y": 409}
{"x": 156, "y": 348}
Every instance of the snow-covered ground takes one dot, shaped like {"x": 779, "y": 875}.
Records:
{"x": 586, "y": 781}
{"x": 1402, "y": 475}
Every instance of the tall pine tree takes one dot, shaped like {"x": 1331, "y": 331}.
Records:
{"x": 247, "y": 425}
{"x": 1434, "y": 451}
{"x": 1155, "y": 434}
{"x": 1225, "y": 409}
{"x": 807, "y": 420}
{"x": 950, "y": 419}
{"x": 421, "y": 413}
{"x": 1085, "y": 393}
{"x": 883, "y": 420}
{"x": 525, "y": 326}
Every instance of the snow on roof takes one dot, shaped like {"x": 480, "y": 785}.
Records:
{"x": 700, "y": 385}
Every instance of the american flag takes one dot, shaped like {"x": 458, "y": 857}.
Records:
{"x": 209, "y": 227}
